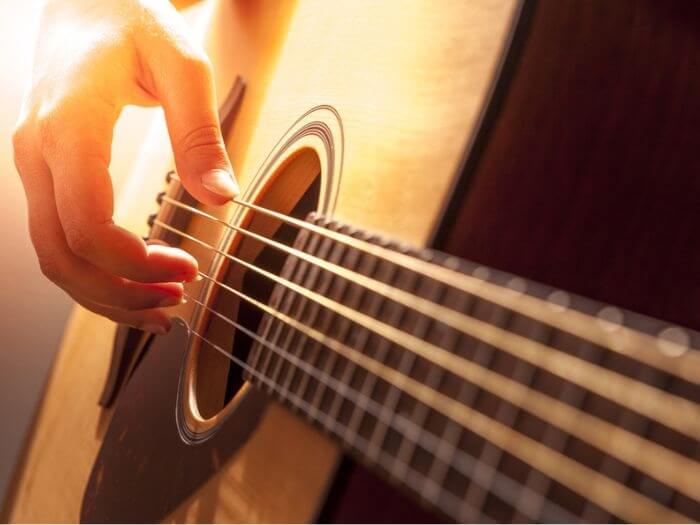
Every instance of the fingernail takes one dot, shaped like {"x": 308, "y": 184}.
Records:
{"x": 221, "y": 182}
{"x": 154, "y": 328}
{"x": 172, "y": 300}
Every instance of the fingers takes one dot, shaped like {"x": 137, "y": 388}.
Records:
{"x": 63, "y": 152}
{"x": 78, "y": 277}
{"x": 77, "y": 156}
{"x": 193, "y": 125}
{"x": 182, "y": 80}
{"x": 153, "y": 320}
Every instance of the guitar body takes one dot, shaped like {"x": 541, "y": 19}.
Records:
{"x": 523, "y": 138}
{"x": 388, "y": 70}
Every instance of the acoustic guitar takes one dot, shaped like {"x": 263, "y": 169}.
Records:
{"x": 369, "y": 339}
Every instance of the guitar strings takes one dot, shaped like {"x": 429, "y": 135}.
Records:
{"x": 479, "y": 329}
{"x": 657, "y": 461}
{"x": 607, "y": 493}
{"x": 685, "y": 366}
{"x": 627, "y": 341}
{"x": 465, "y": 463}
{"x": 643, "y": 398}
{"x": 210, "y": 247}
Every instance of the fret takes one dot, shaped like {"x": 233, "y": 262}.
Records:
{"x": 339, "y": 329}
{"x": 453, "y": 432}
{"x": 538, "y": 482}
{"x": 366, "y": 266}
{"x": 283, "y": 298}
{"x": 303, "y": 240}
{"x": 386, "y": 273}
{"x": 483, "y": 354}
{"x": 530, "y": 502}
{"x": 413, "y": 480}
{"x": 309, "y": 350}
{"x": 640, "y": 425}
{"x": 447, "y": 446}
{"x": 388, "y": 394}
{"x": 293, "y": 340}
{"x": 503, "y": 412}
{"x": 407, "y": 451}
{"x": 328, "y": 326}
{"x": 397, "y": 400}
{"x": 304, "y": 273}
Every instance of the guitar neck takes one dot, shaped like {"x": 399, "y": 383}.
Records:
{"x": 477, "y": 389}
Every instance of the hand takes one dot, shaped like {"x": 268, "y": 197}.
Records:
{"x": 93, "y": 57}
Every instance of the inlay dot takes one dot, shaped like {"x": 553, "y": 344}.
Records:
{"x": 610, "y": 318}
{"x": 559, "y": 300}
{"x": 673, "y": 341}
{"x": 517, "y": 285}
{"x": 482, "y": 272}
{"x": 452, "y": 263}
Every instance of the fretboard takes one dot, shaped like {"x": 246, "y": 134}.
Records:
{"x": 489, "y": 396}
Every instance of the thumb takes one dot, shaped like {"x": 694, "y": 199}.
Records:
{"x": 185, "y": 87}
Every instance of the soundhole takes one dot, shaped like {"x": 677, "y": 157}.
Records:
{"x": 294, "y": 190}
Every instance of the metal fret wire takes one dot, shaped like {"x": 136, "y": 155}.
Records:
{"x": 289, "y": 299}
{"x": 380, "y": 351}
{"x": 328, "y": 284}
{"x": 310, "y": 275}
{"x": 420, "y": 330}
{"x": 532, "y": 400}
{"x": 278, "y": 329}
{"x": 356, "y": 297}
{"x": 651, "y": 402}
{"x": 340, "y": 289}
{"x": 642, "y": 427}
{"x": 486, "y": 359}
{"x": 691, "y": 363}
{"x": 396, "y": 316}
{"x": 358, "y": 411}
{"x": 576, "y": 397}
{"x": 393, "y": 394}
{"x": 312, "y": 309}
{"x": 452, "y": 432}
{"x": 509, "y": 489}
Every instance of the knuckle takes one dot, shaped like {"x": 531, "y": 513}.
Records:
{"x": 50, "y": 267}
{"x": 79, "y": 240}
{"x": 48, "y": 126}
{"x": 202, "y": 137}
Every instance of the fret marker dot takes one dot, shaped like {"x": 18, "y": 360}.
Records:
{"x": 673, "y": 341}
{"x": 452, "y": 263}
{"x": 482, "y": 272}
{"x": 517, "y": 285}
{"x": 610, "y": 318}
{"x": 559, "y": 300}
